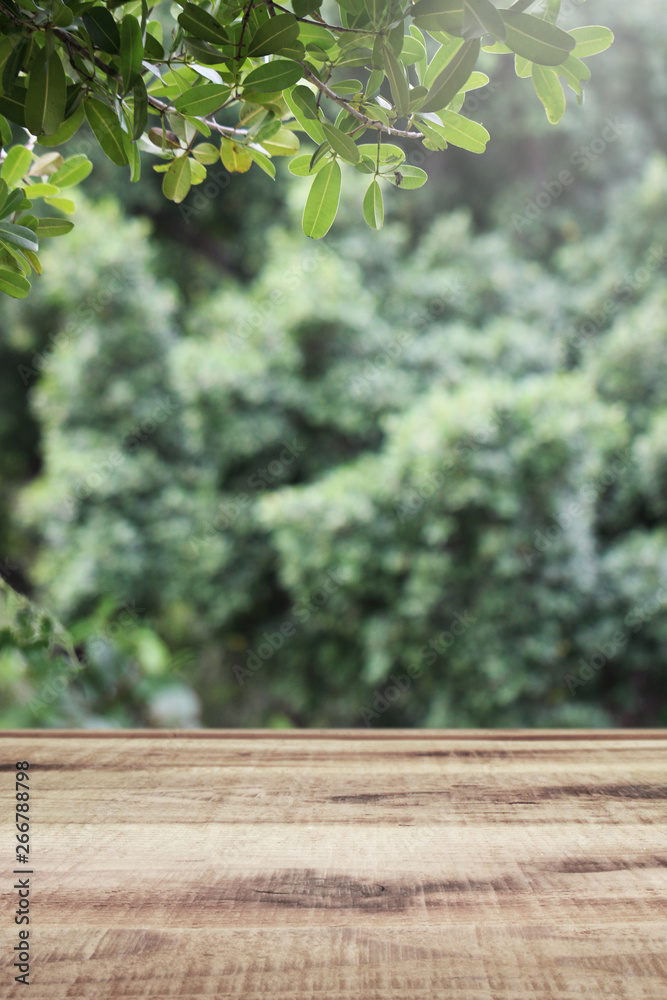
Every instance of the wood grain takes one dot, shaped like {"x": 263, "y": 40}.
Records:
{"x": 341, "y": 865}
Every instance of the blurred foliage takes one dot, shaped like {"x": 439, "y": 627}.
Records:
{"x": 414, "y": 479}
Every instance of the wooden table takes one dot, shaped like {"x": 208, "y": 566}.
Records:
{"x": 340, "y": 865}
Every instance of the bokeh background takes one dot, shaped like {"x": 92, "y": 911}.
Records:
{"x": 407, "y": 478}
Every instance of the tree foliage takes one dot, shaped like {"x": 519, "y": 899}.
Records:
{"x": 195, "y": 84}
{"x": 447, "y": 471}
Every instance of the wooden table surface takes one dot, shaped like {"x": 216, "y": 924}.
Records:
{"x": 340, "y": 865}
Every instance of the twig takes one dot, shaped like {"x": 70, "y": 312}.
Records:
{"x": 212, "y": 124}
{"x": 319, "y": 23}
{"x": 153, "y": 101}
{"x": 364, "y": 119}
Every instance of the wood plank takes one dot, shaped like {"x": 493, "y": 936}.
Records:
{"x": 341, "y": 865}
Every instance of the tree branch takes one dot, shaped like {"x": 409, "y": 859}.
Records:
{"x": 364, "y": 119}
{"x": 211, "y": 122}
{"x": 71, "y": 43}
{"x": 154, "y": 102}
{"x": 319, "y": 23}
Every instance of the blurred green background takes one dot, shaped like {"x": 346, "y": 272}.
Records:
{"x": 414, "y": 478}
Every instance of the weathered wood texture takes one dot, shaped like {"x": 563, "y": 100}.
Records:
{"x": 342, "y": 865}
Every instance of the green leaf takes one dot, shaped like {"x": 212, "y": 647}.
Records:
{"x": 482, "y": 18}
{"x": 206, "y": 153}
{"x": 201, "y": 24}
{"x": 5, "y": 132}
{"x": 373, "y": 206}
{"x": 197, "y": 172}
{"x": 462, "y": 132}
{"x": 275, "y": 34}
{"x": 453, "y": 77}
{"x": 207, "y": 72}
{"x": 272, "y": 77}
{"x": 549, "y": 89}
{"x": 47, "y": 94}
{"x": 73, "y": 171}
{"x": 398, "y": 83}
{"x": 407, "y": 177}
{"x": 263, "y": 162}
{"x": 44, "y": 190}
{"x": 48, "y": 228}
{"x": 301, "y": 102}
{"x": 34, "y": 260}
{"x": 536, "y": 40}
{"x": 19, "y": 236}
{"x": 63, "y": 204}
{"x": 106, "y": 129}
{"x": 102, "y": 28}
{"x": 442, "y": 58}
{"x": 131, "y": 50}
{"x": 315, "y": 37}
{"x": 199, "y": 125}
{"x": 234, "y": 156}
{"x": 439, "y": 15}
{"x": 11, "y": 202}
{"x": 434, "y": 134}
{"x": 176, "y": 182}
{"x": 155, "y": 53}
{"x": 300, "y": 165}
{"x": 13, "y": 50}
{"x": 474, "y": 82}
{"x": 15, "y": 165}
{"x": 17, "y": 256}
{"x": 573, "y": 70}
{"x": 590, "y": 40}
{"x": 414, "y": 50}
{"x": 140, "y": 108}
{"x": 344, "y": 87}
{"x": 341, "y": 143}
{"x": 68, "y": 128}
{"x": 388, "y": 154}
{"x": 61, "y": 14}
{"x": 282, "y": 143}
{"x": 422, "y": 62}
{"x": 522, "y": 67}
{"x": 203, "y": 99}
{"x": 375, "y": 81}
{"x": 12, "y": 105}
{"x": 13, "y": 284}
{"x": 322, "y": 202}
{"x": 302, "y": 8}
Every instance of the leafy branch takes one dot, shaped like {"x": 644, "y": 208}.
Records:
{"x": 256, "y": 77}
